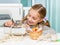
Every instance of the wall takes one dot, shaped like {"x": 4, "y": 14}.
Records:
{"x": 58, "y": 15}
{"x": 55, "y": 14}
{"x": 52, "y": 13}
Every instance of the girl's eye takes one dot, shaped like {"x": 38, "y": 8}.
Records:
{"x": 29, "y": 15}
{"x": 34, "y": 18}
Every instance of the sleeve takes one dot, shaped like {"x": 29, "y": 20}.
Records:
{"x": 48, "y": 34}
{"x": 47, "y": 29}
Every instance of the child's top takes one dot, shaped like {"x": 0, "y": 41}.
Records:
{"x": 47, "y": 34}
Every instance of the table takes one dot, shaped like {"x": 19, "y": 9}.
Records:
{"x": 20, "y": 40}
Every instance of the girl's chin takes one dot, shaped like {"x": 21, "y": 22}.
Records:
{"x": 30, "y": 24}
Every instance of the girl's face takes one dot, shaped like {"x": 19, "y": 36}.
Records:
{"x": 33, "y": 17}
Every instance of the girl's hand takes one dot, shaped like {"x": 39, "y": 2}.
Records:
{"x": 8, "y": 24}
{"x": 39, "y": 30}
{"x": 28, "y": 31}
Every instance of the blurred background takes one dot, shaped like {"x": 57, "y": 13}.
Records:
{"x": 52, "y": 6}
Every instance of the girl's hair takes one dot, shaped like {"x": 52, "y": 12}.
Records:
{"x": 42, "y": 11}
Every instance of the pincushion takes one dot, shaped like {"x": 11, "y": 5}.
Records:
{"x": 35, "y": 33}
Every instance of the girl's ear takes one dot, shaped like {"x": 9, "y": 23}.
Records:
{"x": 40, "y": 20}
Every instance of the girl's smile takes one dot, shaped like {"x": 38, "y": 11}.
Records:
{"x": 29, "y": 22}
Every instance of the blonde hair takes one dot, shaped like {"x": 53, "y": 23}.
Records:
{"x": 42, "y": 12}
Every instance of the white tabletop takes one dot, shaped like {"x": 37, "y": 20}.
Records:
{"x": 26, "y": 41}
{"x": 20, "y": 40}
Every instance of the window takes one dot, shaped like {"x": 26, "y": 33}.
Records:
{"x": 4, "y": 16}
{"x": 26, "y": 3}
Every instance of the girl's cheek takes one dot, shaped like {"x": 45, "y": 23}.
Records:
{"x": 34, "y": 20}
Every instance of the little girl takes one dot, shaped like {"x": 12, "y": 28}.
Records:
{"x": 36, "y": 23}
